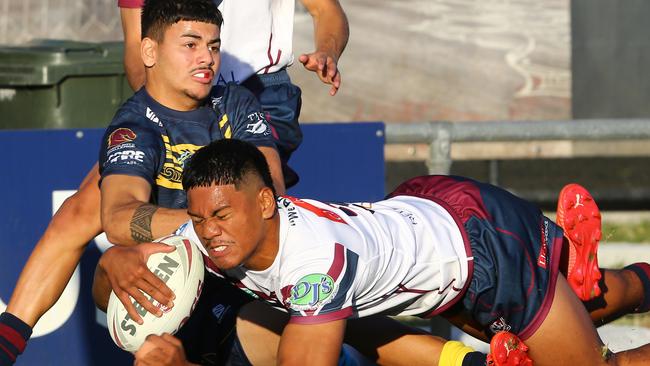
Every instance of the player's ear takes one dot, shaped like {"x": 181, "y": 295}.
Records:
{"x": 267, "y": 202}
{"x": 149, "y": 51}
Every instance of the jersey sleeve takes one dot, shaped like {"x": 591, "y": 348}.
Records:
{"x": 246, "y": 117}
{"x": 133, "y": 149}
{"x": 130, "y": 3}
{"x": 320, "y": 289}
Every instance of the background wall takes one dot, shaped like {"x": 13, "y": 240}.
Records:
{"x": 611, "y": 58}
{"x": 407, "y": 60}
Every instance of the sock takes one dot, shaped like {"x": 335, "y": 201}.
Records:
{"x": 455, "y": 353}
{"x": 475, "y": 359}
{"x": 642, "y": 270}
{"x": 14, "y": 334}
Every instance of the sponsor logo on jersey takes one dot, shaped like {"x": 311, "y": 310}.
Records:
{"x": 215, "y": 101}
{"x": 258, "y": 124}
{"x": 541, "y": 259}
{"x": 409, "y": 215}
{"x": 292, "y": 211}
{"x": 152, "y": 116}
{"x": 499, "y": 325}
{"x": 120, "y": 136}
{"x": 126, "y": 156}
{"x": 311, "y": 292}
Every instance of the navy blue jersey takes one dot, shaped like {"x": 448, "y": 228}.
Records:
{"x": 148, "y": 140}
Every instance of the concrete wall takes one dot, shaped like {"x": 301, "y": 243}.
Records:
{"x": 610, "y": 58}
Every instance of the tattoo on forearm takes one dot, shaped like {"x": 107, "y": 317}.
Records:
{"x": 141, "y": 223}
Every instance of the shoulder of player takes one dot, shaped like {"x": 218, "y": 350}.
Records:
{"x": 135, "y": 113}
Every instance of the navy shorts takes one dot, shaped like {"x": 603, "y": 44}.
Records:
{"x": 515, "y": 250}
{"x": 209, "y": 336}
{"x": 281, "y": 101}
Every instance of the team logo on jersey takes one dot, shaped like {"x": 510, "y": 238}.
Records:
{"x": 499, "y": 325}
{"x": 258, "y": 124}
{"x": 120, "y": 136}
{"x": 182, "y": 158}
{"x": 311, "y": 292}
{"x": 215, "y": 101}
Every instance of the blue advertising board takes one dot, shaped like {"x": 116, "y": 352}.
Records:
{"x": 337, "y": 162}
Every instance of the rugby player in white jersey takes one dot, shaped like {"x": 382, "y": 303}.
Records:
{"x": 469, "y": 251}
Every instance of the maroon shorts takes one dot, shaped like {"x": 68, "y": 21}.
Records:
{"x": 516, "y": 251}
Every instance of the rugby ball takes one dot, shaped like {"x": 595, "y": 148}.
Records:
{"x": 182, "y": 271}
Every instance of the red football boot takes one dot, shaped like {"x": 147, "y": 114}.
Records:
{"x": 506, "y": 349}
{"x": 579, "y": 217}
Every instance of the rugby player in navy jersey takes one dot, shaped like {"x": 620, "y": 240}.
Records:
{"x": 143, "y": 153}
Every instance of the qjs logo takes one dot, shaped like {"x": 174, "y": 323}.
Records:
{"x": 312, "y": 291}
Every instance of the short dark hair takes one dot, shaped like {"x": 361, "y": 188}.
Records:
{"x": 157, "y": 15}
{"x": 227, "y": 161}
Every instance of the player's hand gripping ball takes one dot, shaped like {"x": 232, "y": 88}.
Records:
{"x": 182, "y": 271}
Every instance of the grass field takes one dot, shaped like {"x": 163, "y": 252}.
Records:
{"x": 638, "y": 232}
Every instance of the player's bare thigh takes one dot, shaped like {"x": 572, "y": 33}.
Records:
{"x": 379, "y": 338}
{"x": 259, "y": 327}
{"x": 567, "y": 336}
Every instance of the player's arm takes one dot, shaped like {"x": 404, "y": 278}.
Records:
{"x": 133, "y": 65}
{"x": 163, "y": 350}
{"x": 311, "y": 344}
{"x": 101, "y": 288}
{"x": 128, "y": 218}
{"x": 249, "y": 124}
{"x": 331, "y": 33}
{"x": 275, "y": 166}
{"x": 123, "y": 270}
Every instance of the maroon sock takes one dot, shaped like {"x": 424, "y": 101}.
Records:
{"x": 642, "y": 270}
{"x": 14, "y": 334}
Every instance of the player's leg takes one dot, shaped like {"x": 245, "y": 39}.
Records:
{"x": 50, "y": 265}
{"x": 623, "y": 292}
{"x": 378, "y": 338}
{"x": 259, "y": 328}
{"x": 389, "y": 342}
{"x": 209, "y": 336}
{"x": 57, "y": 253}
{"x": 568, "y": 337}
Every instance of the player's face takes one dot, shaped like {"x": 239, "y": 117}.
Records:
{"x": 233, "y": 224}
{"x": 187, "y": 60}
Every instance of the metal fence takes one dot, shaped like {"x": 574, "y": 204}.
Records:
{"x": 81, "y": 20}
{"x": 441, "y": 135}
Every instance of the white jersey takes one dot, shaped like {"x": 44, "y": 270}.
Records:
{"x": 256, "y": 37}
{"x": 401, "y": 256}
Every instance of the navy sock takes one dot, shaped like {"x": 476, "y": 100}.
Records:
{"x": 475, "y": 359}
{"x": 642, "y": 270}
{"x": 14, "y": 334}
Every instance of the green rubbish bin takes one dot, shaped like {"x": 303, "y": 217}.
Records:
{"x": 61, "y": 84}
